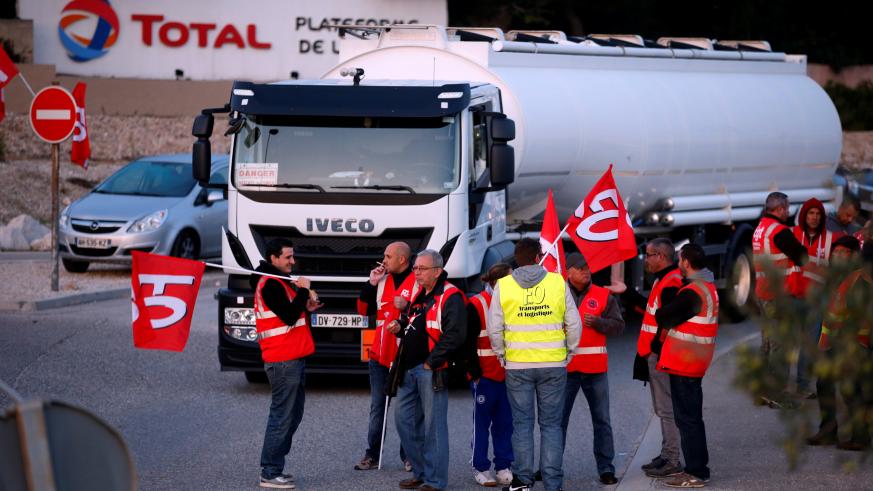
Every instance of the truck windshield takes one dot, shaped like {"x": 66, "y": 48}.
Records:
{"x": 347, "y": 154}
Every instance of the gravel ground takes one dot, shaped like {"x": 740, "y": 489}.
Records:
{"x": 29, "y": 280}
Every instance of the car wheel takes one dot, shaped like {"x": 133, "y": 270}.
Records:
{"x": 256, "y": 377}
{"x": 74, "y": 266}
{"x": 187, "y": 245}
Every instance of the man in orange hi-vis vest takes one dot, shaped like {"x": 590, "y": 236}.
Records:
{"x": 282, "y": 320}
{"x": 384, "y": 295}
{"x": 691, "y": 324}
{"x": 778, "y": 259}
{"x": 601, "y": 317}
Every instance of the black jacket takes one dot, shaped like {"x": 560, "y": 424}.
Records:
{"x": 789, "y": 245}
{"x": 274, "y": 295}
{"x": 413, "y": 328}
{"x": 368, "y": 291}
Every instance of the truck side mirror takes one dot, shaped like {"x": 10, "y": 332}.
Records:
{"x": 201, "y": 164}
{"x": 502, "y": 129}
{"x": 502, "y": 165}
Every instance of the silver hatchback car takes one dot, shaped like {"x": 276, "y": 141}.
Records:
{"x": 152, "y": 205}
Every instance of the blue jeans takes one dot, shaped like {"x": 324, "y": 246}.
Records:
{"x": 378, "y": 380}
{"x": 595, "y": 386}
{"x": 422, "y": 422}
{"x": 808, "y": 348}
{"x": 687, "y": 396}
{"x": 541, "y": 391}
{"x": 287, "y": 380}
{"x": 491, "y": 414}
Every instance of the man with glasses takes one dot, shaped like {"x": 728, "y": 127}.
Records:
{"x": 667, "y": 282}
{"x": 431, "y": 331}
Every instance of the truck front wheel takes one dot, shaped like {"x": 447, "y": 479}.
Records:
{"x": 740, "y": 291}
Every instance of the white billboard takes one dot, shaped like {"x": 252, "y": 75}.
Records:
{"x": 256, "y": 40}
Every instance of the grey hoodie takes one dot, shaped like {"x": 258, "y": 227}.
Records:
{"x": 526, "y": 277}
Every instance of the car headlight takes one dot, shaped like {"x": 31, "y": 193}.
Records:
{"x": 65, "y": 217}
{"x": 150, "y": 222}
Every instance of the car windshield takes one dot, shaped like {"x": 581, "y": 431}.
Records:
{"x": 348, "y": 154}
{"x": 150, "y": 178}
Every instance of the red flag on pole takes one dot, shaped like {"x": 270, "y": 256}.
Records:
{"x": 8, "y": 70}
{"x": 601, "y": 227}
{"x": 164, "y": 291}
{"x": 80, "y": 150}
{"x": 553, "y": 249}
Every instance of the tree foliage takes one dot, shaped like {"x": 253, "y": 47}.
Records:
{"x": 828, "y": 34}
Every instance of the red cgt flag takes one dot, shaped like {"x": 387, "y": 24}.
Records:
{"x": 601, "y": 227}
{"x": 554, "y": 255}
{"x": 164, "y": 291}
{"x": 80, "y": 150}
{"x": 8, "y": 70}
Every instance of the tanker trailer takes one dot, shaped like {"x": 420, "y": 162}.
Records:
{"x": 411, "y": 137}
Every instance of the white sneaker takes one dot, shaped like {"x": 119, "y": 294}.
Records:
{"x": 278, "y": 482}
{"x": 504, "y": 477}
{"x": 484, "y": 478}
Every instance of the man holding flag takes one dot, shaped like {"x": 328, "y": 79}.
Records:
{"x": 282, "y": 321}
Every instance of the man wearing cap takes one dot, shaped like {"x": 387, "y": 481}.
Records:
{"x": 601, "y": 317}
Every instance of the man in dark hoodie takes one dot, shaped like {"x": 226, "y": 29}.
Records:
{"x": 812, "y": 234}
{"x": 777, "y": 253}
{"x": 431, "y": 332}
{"x": 282, "y": 322}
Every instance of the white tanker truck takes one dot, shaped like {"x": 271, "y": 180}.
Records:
{"x": 411, "y": 137}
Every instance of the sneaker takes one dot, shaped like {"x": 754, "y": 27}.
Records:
{"x": 484, "y": 478}
{"x": 278, "y": 482}
{"x": 654, "y": 464}
{"x": 666, "y": 470}
{"x": 822, "y": 438}
{"x": 517, "y": 485}
{"x": 685, "y": 480}
{"x": 608, "y": 478}
{"x": 410, "y": 483}
{"x": 366, "y": 464}
{"x": 504, "y": 477}
{"x": 407, "y": 466}
{"x": 289, "y": 477}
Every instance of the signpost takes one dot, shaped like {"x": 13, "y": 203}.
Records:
{"x": 53, "y": 118}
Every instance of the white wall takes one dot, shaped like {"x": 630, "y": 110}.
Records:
{"x": 274, "y": 38}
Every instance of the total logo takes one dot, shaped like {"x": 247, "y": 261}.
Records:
{"x": 81, "y": 13}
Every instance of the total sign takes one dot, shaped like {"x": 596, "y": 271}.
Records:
{"x": 206, "y": 39}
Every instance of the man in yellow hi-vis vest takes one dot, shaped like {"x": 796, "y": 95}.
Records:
{"x": 533, "y": 327}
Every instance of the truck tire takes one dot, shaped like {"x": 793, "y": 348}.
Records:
{"x": 739, "y": 294}
{"x": 257, "y": 377}
{"x": 74, "y": 266}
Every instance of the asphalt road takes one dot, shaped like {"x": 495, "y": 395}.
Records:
{"x": 190, "y": 426}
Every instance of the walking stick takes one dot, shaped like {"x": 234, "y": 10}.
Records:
{"x": 384, "y": 424}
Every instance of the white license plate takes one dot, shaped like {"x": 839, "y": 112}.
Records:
{"x": 89, "y": 243}
{"x": 340, "y": 320}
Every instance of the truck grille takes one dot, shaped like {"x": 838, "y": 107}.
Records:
{"x": 339, "y": 256}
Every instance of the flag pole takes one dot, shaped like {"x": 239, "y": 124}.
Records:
{"x": 221, "y": 266}
{"x": 24, "y": 81}
{"x": 553, "y": 244}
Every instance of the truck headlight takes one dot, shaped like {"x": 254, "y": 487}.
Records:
{"x": 150, "y": 222}
{"x": 239, "y": 316}
{"x": 241, "y": 332}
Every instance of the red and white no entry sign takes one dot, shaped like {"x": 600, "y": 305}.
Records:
{"x": 53, "y": 114}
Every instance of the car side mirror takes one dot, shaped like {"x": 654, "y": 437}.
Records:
{"x": 214, "y": 195}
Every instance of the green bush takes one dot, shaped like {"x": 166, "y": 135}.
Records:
{"x": 855, "y": 106}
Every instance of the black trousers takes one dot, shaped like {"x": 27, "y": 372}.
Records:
{"x": 687, "y": 395}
